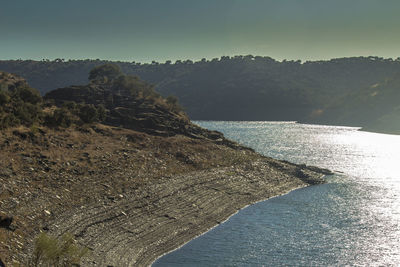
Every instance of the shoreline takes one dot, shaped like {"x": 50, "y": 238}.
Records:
{"x": 227, "y": 219}
{"x": 127, "y": 196}
{"x": 172, "y": 218}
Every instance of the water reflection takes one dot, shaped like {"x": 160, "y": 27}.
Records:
{"x": 352, "y": 220}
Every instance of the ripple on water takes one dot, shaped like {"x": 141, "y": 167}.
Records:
{"x": 354, "y": 219}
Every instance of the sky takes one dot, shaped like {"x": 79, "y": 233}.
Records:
{"x": 160, "y": 30}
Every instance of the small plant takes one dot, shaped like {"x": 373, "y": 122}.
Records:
{"x": 50, "y": 251}
{"x": 34, "y": 129}
{"x": 173, "y": 105}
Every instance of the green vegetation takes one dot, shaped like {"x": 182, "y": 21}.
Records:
{"x": 19, "y": 103}
{"x": 22, "y": 105}
{"x": 50, "y": 251}
{"x": 112, "y": 76}
{"x": 135, "y": 86}
{"x": 109, "y": 89}
{"x": 240, "y": 87}
{"x": 105, "y": 72}
{"x": 375, "y": 107}
{"x": 173, "y": 102}
{"x": 234, "y": 88}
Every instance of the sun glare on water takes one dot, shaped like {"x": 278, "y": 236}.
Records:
{"x": 353, "y": 220}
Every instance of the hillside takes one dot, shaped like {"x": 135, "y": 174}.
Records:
{"x": 114, "y": 188}
{"x": 238, "y": 88}
{"x": 111, "y": 97}
{"x": 375, "y": 107}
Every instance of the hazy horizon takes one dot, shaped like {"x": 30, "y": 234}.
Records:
{"x": 157, "y": 30}
{"x": 194, "y": 60}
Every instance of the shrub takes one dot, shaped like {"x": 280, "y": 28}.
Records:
{"x": 50, "y": 251}
{"x": 71, "y": 105}
{"x": 27, "y": 113}
{"x": 88, "y": 113}
{"x": 27, "y": 94}
{"x": 20, "y": 105}
{"x": 4, "y": 98}
{"x": 9, "y": 120}
{"x": 134, "y": 86}
{"x": 61, "y": 117}
{"x": 173, "y": 104}
{"x": 71, "y": 113}
{"x": 102, "y": 113}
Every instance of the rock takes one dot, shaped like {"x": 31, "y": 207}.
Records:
{"x": 5, "y": 222}
{"x": 301, "y": 174}
{"x": 28, "y": 159}
{"x": 184, "y": 158}
{"x": 6, "y": 172}
{"x": 132, "y": 112}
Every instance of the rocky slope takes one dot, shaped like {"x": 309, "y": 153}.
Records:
{"x": 134, "y": 113}
{"x": 131, "y": 190}
{"x": 127, "y": 196}
{"x": 127, "y": 106}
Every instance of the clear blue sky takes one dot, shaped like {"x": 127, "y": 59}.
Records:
{"x": 147, "y": 30}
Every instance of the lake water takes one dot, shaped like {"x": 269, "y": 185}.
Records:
{"x": 354, "y": 219}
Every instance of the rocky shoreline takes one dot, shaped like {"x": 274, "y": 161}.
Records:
{"x": 127, "y": 196}
{"x": 136, "y": 230}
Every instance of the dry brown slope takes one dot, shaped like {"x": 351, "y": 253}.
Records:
{"x": 128, "y": 196}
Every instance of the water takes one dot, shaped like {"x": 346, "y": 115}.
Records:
{"x": 354, "y": 219}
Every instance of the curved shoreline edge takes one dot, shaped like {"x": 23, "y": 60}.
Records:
{"x": 141, "y": 228}
{"x": 127, "y": 196}
{"x": 227, "y": 219}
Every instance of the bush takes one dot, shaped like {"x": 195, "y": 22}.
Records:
{"x": 71, "y": 113}
{"x": 9, "y": 120}
{"x": 102, "y": 113}
{"x": 20, "y": 105}
{"x": 50, "y": 251}
{"x": 28, "y": 95}
{"x": 88, "y": 113}
{"x": 27, "y": 113}
{"x": 173, "y": 103}
{"x": 71, "y": 105}
{"x": 61, "y": 117}
{"x": 4, "y": 98}
{"x": 134, "y": 86}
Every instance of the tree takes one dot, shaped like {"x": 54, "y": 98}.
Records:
{"x": 104, "y": 73}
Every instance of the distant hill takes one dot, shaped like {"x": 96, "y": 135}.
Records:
{"x": 250, "y": 87}
{"x": 375, "y": 107}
